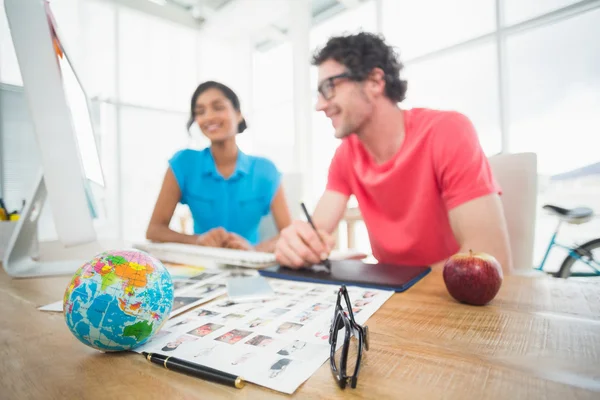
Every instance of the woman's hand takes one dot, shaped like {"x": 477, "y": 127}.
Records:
{"x": 235, "y": 241}
{"x": 217, "y": 237}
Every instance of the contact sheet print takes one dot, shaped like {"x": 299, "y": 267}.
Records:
{"x": 200, "y": 287}
{"x": 277, "y": 343}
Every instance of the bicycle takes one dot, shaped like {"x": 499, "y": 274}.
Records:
{"x": 584, "y": 253}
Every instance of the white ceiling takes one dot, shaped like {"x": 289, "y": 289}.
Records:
{"x": 243, "y": 18}
{"x": 264, "y": 22}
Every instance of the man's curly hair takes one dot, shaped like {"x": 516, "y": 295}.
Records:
{"x": 362, "y": 52}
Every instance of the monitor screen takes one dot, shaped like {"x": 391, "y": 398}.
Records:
{"x": 77, "y": 101}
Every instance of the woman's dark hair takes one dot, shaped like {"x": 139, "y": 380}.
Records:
{"x": 362, "y": 52}
{"x": 227, "y": 92}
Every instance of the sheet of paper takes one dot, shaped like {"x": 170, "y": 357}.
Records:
{"x": 180, "y": 271}
{"x": 277, "y": 343}
{"x": 347, "y": 254}
{"x": 199, "y": 289}
{"x": 57, "y": 306}
{"x": 199, "y": 286}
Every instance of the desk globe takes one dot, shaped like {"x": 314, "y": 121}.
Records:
{"x": 118, "y": 300}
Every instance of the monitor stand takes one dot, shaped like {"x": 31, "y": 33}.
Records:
{"x": 23, "y": 258}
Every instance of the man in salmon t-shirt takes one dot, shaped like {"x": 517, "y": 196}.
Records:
{"x": 422, "y": 182}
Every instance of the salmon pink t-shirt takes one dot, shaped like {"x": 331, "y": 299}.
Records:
{"x": 405, "y": 201}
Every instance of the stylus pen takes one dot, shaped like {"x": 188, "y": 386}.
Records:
{"x": 326, "y": 261}
{"x": 197, "y": 370}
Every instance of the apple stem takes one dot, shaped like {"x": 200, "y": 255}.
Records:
{"x": 471, "y": 252}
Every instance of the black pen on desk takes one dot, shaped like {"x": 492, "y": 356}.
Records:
{"x": 197, "y": 370}
{"x": 326, "y": 261}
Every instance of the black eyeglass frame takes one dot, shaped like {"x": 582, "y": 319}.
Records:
{"x": 330, "y": 82}
{"x": 343, "y": 320}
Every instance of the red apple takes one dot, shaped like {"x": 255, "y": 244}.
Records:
{"x": 473, "y": 278}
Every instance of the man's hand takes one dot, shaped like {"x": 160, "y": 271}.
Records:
{"x": 299, "y": 245}
{"x": 235, "y": 241}
{"x": 216, "y": 237}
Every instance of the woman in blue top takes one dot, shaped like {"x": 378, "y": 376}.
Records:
{"x": 227, "y": 191}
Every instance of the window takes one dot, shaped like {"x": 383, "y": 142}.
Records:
{"x": 420, "y": 27}
{"x": 108, "y": 199}
{"x": 518, "y": 10}
{"x": 272, "y": 127}
{"x": 160, "y": 135}
{"x": 272, "y": 76}
{"x": 158, "y": 72}
{"x": 9, "y": 66}
{"x": 19, "y": 158}
{"x": 324, "y": 143}
{"x": 554, "y": 98}
{"x": 228, "y": 62}
{"x": 360, "y": 18}
{"x": 554, "y": 92}
{"x": 465, "y": 81}
{"x": 157, "y": 62}
{"x": 100, "y": 54}
{"x": 273, "y": 135}
{"x": 68, "y": 18}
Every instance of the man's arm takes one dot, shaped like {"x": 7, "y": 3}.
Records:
{"x": 469, "y": 190}
{"x": 330, "y": 211}
{"x": 299, "y": 244}
{"x": 479, "y": 225}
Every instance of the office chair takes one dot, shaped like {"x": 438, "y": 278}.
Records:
{"x": 292, "y": 185}
{"x": 517, "y": 176}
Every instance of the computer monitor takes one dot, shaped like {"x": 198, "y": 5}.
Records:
{"x": 59, "y": 110}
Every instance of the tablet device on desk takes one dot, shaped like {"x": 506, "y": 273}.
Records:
{"x": 354, "y": 272}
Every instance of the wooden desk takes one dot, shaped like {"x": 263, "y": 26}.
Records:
{"x": 540, "y": 339}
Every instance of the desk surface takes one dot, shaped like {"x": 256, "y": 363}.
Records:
{"x": 540, "y": 338}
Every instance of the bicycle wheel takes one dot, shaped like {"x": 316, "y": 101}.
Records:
{"x": 587, "y": 251}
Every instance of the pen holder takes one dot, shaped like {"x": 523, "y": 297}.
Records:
{"x": 6, "y": 230}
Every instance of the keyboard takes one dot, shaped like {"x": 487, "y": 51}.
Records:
{"x": 179, "y": 253}
{"x": 188, "y": 254}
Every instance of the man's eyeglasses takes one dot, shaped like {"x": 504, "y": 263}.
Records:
{"x": 327, "y": 87}
{"x": 345, "y": 319}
